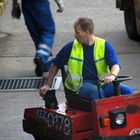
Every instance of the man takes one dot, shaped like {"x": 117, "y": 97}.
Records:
{"x": 87, "y": 59}
{"x": 41, "y": 26}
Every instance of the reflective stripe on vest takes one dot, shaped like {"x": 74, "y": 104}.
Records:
{"x": 74, "y": 77}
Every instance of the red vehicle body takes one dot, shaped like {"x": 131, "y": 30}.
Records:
{"x": 114, "y": 118}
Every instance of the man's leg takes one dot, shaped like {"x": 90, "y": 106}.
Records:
{"x": 90, "y": 90}
{"x": 33, "y": 28}
{"x": 109, "y": 89}
{"x": 46, "y": 27}
{"x": 126, "y": 89}
{"x": 41, "y": 26}
{"x": 30, "y": 21}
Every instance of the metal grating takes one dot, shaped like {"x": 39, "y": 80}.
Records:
{"x": 27, "y": 83}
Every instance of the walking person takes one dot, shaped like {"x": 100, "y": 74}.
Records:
{"x": 41, "y": 26}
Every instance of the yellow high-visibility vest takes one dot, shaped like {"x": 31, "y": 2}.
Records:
{"x": 74, "y": 78}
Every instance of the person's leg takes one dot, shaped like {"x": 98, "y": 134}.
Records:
{"x": 33, "y": 28}
{"x": 126, "y": 89}
{"x": 109, "y": 89}
{"x": 41, "y": 26}
{"x": 30, "y": 22}
{"x": 44, "y": 19}
{"x": 90, "y": 91}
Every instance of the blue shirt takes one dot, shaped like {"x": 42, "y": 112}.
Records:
{"x": 89, "y": 69}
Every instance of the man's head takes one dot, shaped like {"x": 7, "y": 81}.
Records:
{"x": 84, "y": 28}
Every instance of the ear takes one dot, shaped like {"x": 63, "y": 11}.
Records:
{"x": 87, "y": 32}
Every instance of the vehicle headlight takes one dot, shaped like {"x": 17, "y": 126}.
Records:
{"x": 120, "y": 118}
{"x": 117, "y": 118}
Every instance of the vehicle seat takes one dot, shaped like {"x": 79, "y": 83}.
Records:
{"x": 73, "y": 100}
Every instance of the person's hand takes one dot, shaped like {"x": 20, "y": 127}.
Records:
{"x": 43, "y": 90}
{"x": 16, "y": 11}
{"x": 109, "y": 79}
{"x": 60, "y": 5}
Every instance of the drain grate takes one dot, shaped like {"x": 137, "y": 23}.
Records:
{"x": 26, "y": 83}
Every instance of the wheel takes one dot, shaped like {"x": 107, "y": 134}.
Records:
{"x": 130, "y": 20}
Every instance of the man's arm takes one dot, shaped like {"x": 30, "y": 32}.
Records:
{"x": 113, "y": 74}
{"x": 53, "y": 71}
{"x": 113, "y": 62}
{"x": 115, "y": 70}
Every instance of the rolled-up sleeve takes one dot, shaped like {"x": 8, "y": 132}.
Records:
{"x": 62, "y": 57}
{"x": 110, "y": 55}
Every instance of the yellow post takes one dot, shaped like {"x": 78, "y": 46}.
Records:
{"x": 2, "y": 6}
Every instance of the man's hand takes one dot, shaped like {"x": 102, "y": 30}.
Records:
{"x": 109, "y": 79}
{"x": 43, "y": 90}
{"x": 60, "y": 5}
{"x": 16, "y": 11}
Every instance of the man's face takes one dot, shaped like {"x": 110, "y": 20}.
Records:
{"x": 80, "y": 35}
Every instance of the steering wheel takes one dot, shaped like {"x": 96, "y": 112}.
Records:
{"x": 122, "y": 78}
{"x": 117, "y": 82}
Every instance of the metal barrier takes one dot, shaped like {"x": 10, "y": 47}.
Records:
{"x": 27, "y": 83}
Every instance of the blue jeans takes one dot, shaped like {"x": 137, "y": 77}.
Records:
{"x": 41, "y": 26}
{"x": 90, "y": 91}
{"x": 39, "y": 21}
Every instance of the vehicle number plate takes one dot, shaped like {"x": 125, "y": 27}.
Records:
{"x": 55, "y": 121}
